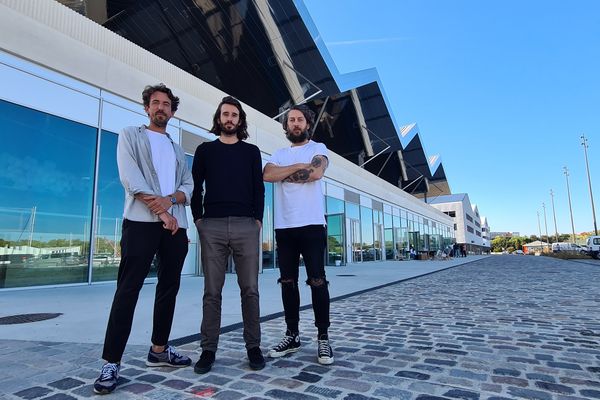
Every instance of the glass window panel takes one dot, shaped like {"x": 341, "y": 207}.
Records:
{"x": 109, "y": 211}
{"x": 366, "y": 228}
{"x": 387, "y": 220}
{"x": 335, "y": 239}
{"x": 46, "y": 185}
{"x": 334, "y": 206}
{"x": 268, "y": 246}
{"x": 352, "y": 210}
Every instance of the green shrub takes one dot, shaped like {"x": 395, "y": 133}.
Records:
{"x": 567, "y": 255}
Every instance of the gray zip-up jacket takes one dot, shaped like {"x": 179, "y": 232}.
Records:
{"x": 137, "y": 174}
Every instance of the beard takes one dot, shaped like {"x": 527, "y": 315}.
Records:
{"x": 297, "y": 138}
{"x": 228, "y": 131}
{"x": 159, "y": 119}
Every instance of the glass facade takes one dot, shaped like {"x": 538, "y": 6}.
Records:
{"x": 61, "y": 201}
{"x": 46, "y": 180}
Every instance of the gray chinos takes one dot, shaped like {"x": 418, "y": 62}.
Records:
{"x": 218, "y": 238}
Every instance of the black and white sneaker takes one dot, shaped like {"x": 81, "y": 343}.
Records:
{"x": 289, "y": 344}
{"x": 324, "y": 352}
{"x": 107, "y": 382}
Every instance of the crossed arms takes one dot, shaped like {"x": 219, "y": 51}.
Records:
{"x": 297, "y": 173}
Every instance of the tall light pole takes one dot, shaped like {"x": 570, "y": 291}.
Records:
{"x": 566, "y": 172}
{"x": 545, "y": 223}
{"x": 540, "y": 229}
{"x": 554, "y": 214}
{"x": 587, "y": 167}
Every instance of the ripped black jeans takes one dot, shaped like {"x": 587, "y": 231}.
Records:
{"x": 309, "y": 241}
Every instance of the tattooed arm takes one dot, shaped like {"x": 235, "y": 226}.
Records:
{"x": 274, "y": 173}
{"x": 313, "y": 172}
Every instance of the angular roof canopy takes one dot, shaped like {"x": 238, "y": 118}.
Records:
{"x": 270, "y": 55}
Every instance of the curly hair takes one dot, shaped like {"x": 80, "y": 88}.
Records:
{"x": 242, "y": 131}
{"x": 149, "y": 90}
{"x": 309, "y": 115}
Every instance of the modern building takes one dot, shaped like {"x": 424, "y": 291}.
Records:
{"x": 468, "y": 227}
{"x": 70, "y": 85}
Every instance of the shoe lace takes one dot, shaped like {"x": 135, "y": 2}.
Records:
{"x": 109, "y": 371}
{"x": 285, "y": 342}
{"x": 323, "y": 347}
{"x": 172, "y": 353}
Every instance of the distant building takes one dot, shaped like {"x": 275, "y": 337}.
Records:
{"x": 468, "y": 227}
{"x": 534, "y": 247}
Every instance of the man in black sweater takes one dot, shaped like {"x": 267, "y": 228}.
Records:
{"x": 228, "y": 215}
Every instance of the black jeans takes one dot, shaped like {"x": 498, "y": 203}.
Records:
{"x": 310, "y": 241}
{"x": 140, "y": 241}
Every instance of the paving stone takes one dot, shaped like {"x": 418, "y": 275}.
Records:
{"x": 460, "y": 373}
{"x": 67, "y": 383}
{"x": 151, "y": 378}
{"x": 137, "y": 388}
{"x": 307, "y": 377}
{"x": 540, "y": 377}
{"x": 285, "y": 395}
{"x": 563, "y": 365}
{"x": 392, "y": 393}
{"x": 324, "y": 392}
{"x": 509, "y": 380}
{"x": 506, "y": 372}
{"x": 60, "y": 396}
{"x": 529, "y": 394}
{"x": 33, "y": 393}
{"x": 229, "y": 395}
{"x": 413, "y": 375}
{"x": 286, "y": 383}
{"x": 356, "y": 396}
{"x": 554, "y": 387}
{"x": 177, "y": 384}
{"x": 590, "y": 393}
{"x": 462, "y": 394}
{"x": 349, "y": 384}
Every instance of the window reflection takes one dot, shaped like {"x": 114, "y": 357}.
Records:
{"x": 109, "y": 211}
{"x": 46, "y": 185}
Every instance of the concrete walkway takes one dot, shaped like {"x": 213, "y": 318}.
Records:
{"x": 85, "y": 309}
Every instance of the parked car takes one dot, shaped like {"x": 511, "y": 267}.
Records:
{"x": 564, "y": 246}
{"x": 593, "y": 245}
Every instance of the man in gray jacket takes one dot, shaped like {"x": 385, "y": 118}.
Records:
{"x": 158, "y": 185}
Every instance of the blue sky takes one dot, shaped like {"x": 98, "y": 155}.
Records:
{"x": 501, "y": 90}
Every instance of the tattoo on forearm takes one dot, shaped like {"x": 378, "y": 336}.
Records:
{"x": 318, "y": 162}
{"x": 299, "y": 176}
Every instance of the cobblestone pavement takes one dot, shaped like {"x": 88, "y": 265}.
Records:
{"x": 506, "y": 327}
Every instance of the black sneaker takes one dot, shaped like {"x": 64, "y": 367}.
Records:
{"x": 324, "y": 352}
{"x": 168, "y": 358}
{"x": 256, "y": 360}
{"x": 205, "y": 363}
{"x": 289, "y": 344}
{"x": 107, "y": 382}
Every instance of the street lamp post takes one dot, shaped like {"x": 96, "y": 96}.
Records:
{"x": 546, "y": 223}
{"x": 554, "y": 214}
{"x": 540, "y": 229}
{"x": 566, "y": 172}
{"x": 587, "y": 167}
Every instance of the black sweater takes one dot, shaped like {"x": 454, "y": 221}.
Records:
{"x": 234, "y": 182}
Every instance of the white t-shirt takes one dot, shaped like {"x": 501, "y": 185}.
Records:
{"x": 298, "y": 204}
{"x": 163, "y": 158}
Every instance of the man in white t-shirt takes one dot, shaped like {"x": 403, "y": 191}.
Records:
{"x": 300, "y": 228}
{"x": 158, "y": 185}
